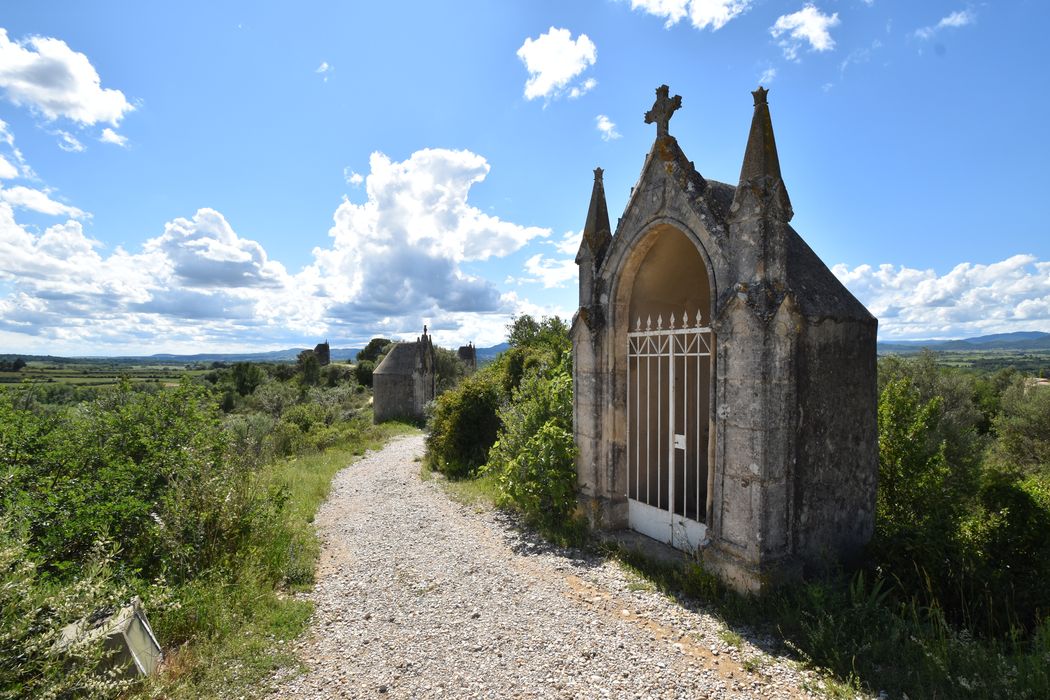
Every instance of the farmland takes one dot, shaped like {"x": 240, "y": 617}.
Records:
{"x": 93, "y": 373}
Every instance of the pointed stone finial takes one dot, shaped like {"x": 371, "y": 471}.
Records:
{"x": 597, "y": 234}
{"x": 649, "y": 323}
{"x": 663, "y": 109}
{"x": 660, "y": 322}
{"x": 761, "y": 184}
{"x": 670, "y": 323}
{"x": 698, "y": 318}
{"x": 638, "y": 324}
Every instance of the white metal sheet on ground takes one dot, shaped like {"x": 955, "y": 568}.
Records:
{"x": 686, "y": 533}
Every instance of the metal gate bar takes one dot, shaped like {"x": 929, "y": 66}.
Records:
{"x": 689, "y": 343}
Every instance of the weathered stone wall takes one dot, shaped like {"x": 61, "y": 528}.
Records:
{"x": 395, "y": 396}
{"x": 838, "y": 443}
{"x": 403, "y": 382}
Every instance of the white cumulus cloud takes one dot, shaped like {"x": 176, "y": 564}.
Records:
{"x": 110, "y": 136}
{"x": 553, "y": 60}
{"x": 807, "y": 25}
{"x": 7, "y": 170}
{"x": 38, "y": 201}
{"x": 352, "y": 178}
{"x": 397, "y": 256}
{"x": 606, "y": 128}
{"x": 49, "y": 77}
{"x": 401, "y": 258}
{"x": 7, "y": 138}
{"x": 957, "y": 19}
{"x": 971, "y": 299}
{"x": 324, "y": 69}
{"x": 767, "y": 76}
{"x": 554, "y": 272}
{"x": 703, "y": 14}
{"x": 68, "y": 142}
{"x": 583, "y": 88}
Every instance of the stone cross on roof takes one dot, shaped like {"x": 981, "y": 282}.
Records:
{"x": 662, "y": 110}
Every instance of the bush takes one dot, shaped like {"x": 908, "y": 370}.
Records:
{"x": 1023, "y": 429}
{"x": 1009, "y": 554}
{"x": 363, "y": 372}
{"x": 151, "y": 471}
{"x": 534, "y": 459}
{"x": 981, "y": 556}
{"x": 464, "y": 423}
{"x": 32, "y": 616}
{"x": 375, "y": 348}
{"x": 247, "y": 377}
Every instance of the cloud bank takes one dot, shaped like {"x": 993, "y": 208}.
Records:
{"x": 972, "y": 299}
{"x": 394, "y": 262}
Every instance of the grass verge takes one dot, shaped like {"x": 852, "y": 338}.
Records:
{"x": 859, "y": 637}
{"x": 240, "y": 624}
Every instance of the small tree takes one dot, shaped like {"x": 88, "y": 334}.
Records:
{"x": 375, "y": 348}
{"x": 309, "y": 368}
{"x": 363, "y": 372}
{"x": 1023, "y": 429}
{"x": 247, "y": 377}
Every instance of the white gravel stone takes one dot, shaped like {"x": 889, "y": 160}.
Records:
{"x": 420, "y": 597}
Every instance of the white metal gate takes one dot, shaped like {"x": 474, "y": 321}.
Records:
{"x": 668, "y": 380}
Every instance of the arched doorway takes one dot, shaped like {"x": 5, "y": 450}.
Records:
{"x": 668, "y": 376}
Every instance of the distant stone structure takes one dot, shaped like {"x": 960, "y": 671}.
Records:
{"x": 725, "y": 389}
{"x": 404, "y": 381}
{"x": 324, "y": 353}
{"x": 468, "y": 355}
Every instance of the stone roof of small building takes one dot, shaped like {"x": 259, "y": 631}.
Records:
{"x": 403, "y": 359}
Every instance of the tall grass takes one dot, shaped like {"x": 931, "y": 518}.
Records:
{"x": 236, "y": 626}
{"x": 861, "y": 635}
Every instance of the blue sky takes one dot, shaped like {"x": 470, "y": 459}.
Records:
{"x": 224, "y": 176}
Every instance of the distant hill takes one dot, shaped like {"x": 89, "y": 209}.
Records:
{"x": 286, "y": 355}
{"x": 1023, "y": 340}
{"x": 489, "y": 354}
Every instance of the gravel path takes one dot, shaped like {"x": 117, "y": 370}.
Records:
{"x": 418, "y": 596}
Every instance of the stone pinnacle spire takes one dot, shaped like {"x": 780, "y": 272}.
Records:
{"x": 597, "y": 234}
{"x": 760, "y": 173}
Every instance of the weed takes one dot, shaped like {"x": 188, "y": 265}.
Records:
{"x": 731, "y": 638}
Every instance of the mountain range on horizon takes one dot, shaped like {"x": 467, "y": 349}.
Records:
{"x": 284, "y": 355}
{"x": 1032, "y": 341}
{"x": 1020, "y": 340}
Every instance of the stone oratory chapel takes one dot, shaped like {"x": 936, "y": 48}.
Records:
{"x": 725, "y": 389}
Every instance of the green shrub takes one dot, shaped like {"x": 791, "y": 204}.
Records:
{"x": 1008, "y": 551}
{"x": 151, "y": 471}
{"x": 33, "y": 613}
{"x": 273, "y": 398}
{"x": 534, "y": 459}
{"x": 464, "y": 423}
{"x": 363, "y": 371}
{"x": 247, "y": 377}
{"x": 1023, "y": 429}
{"x": 375, "y": 348}
{"x": 980, "y": 554}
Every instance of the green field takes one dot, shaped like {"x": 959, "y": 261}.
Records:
{"x": 93, "y": 373}
{"x": 1036, "y": 363}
